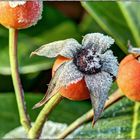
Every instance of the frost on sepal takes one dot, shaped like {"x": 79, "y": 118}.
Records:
{"x": 98, "y": 85}
{"x": 69, "y": 75}
{"x": 97, "y": 39}
{"x": 65, "y": 75}
{"x": 109, "y": 63}
{"x": 14, "y": 4}
{"x": 66, "y": 48}
{"x": 51, "y": 87}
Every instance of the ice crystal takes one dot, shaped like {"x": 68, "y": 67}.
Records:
{"x": 98, "y": 41}
{"x": 16, "y": 3}
{"x": 66, "y": 48}
{"x": 69, "y": 75}
{"x": 98, "y": 85}
{"x": 109, "y": 63}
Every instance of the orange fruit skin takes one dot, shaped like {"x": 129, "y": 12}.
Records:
{"x": 21, "y": 16}
{"x": 75, "y": 91}
{"x": 129, "y": 77}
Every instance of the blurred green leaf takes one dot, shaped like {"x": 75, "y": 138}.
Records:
{"x": 27, "y": 64}
{"x": 88, "y": 25}
{"x": 117, "y": 19}
{"x": 51, "y": 17}
{"x": 28, "y": 44}
{"x": 66, "y": 112}
{"x": 130, "y": 12}
{"x": 49, "y": 29}
{"x": 121, "y": 120}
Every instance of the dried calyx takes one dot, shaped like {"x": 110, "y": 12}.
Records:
{"x": 91, "y": 61}
{"x": 88, "y": 61}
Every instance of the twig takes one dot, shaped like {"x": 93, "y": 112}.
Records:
{"x": 89, "y": 115}
{"x": 24, "y": 119}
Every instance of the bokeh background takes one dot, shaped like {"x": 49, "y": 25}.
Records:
{"x": 62, "y": 20}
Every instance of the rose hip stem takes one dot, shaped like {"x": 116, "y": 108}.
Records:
{"x": 24, "y": 119}
{"x": 36, "y": 129}
{"x": 117, "y": 95}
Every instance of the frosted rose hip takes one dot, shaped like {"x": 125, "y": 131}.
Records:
{"x": 83, "y": 70}
{"x": 20, "y": 14}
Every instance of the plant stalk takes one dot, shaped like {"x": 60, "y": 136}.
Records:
{"x": 36, "y": 129}
{"x": 117, "y": 95}
{"x": 24, "y": 118}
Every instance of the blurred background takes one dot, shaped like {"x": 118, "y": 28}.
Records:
{"x": 62, "y": 20}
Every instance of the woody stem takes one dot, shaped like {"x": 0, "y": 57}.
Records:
{"x": 117, "y": 95}
{"x": 24, "y": 119}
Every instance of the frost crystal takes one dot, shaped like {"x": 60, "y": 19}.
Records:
{"x": 69, "y": 75}
{"x": 90, "y": 61}
{"x": 97, "y": 40}
{"x": 51, "y": 87}
{"x": 39, "y": 12}
{"x": 67, "y": 48}
{"x": 37, "y": 7}
{"x": 98, "y": 85}
{"x": 109, "y": 63}
{"x": 16, "y": 3}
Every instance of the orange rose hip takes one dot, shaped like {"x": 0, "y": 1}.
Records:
{"x": 129, "y": 77}
{"x": 20, "y": 14}
{"x": 76, "y": 91}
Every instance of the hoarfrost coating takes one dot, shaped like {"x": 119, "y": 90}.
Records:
{"x": 14, "y": 4}
{"x": 92, "y": 61}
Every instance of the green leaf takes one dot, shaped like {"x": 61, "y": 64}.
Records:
{"x": 88, "y": 25}
{"x": 118, "y": 19}
{"x": 28, "y": 44}
{"x": 131, "y": 17}
{"x": 121, "y": 120}
{"x": 49, "y": 21}
{"x": 66, "y": 112}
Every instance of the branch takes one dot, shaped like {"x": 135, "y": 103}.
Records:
{"x": 117, "y": 95}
